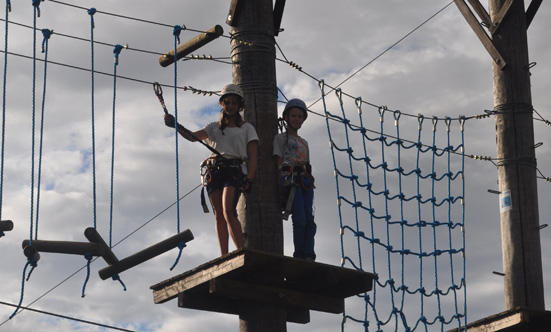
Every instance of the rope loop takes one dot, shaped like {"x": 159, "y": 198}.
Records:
{"x": 88, "y": 256}
{"x": 46, "y": 33}
{"x": 382, "y": 110}
{"x": 462, "y": 123}
{"x": 397, "y": 115}
{"x": 434, "y": 122}
{"x": 117, "y": 50}
{"x": 420, "y": 119}
{"x": 321, "y": 84}
{"x": 91, "y": 12}
{"x": 176, "y": 32}
{"x": 359, "y": 102}
{"x": 181, "y": 246}
{"x": 338, "y": 92}
{"x": 448, "y": 122}
{"x": 117, "y": 278}
{"x": 36, "y": 4}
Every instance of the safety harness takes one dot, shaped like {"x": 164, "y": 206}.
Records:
{"x": 212, "y": 165}
{"x": 294, "y": 179}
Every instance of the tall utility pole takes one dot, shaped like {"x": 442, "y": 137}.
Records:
{"x": 517, "y": 161}
{"x": 507, "y": 44}
{"x": 253, "y": 56}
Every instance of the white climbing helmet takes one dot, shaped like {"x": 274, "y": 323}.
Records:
{"x": 231, "y": 89}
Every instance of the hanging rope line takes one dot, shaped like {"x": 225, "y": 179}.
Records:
{"x": 409, "y": 220}
{"x": 176, "y": 33}
{"x": 31, "y": 261}
{"x": 5, "y": 77}
{"x": 116, "y": 51}
{"x": 91, "y": 12}
{"x": 46, "y": 33}
{"x": 119, "y": 242}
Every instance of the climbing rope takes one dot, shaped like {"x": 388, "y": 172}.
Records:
{"x": 380, "y": 183}
{"x": 30, "y": 261}
{"x": 116, "y": 51}
{"x": 8, "y": 9}
{"x": 91, "y": 12}
{"x": 176, "y": 32}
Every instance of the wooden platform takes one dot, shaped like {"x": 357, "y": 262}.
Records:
{"x": 515, "y": 320}
{"x": 246, "y": 275}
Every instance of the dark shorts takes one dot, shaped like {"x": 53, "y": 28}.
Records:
{"x": 225, "y": 177}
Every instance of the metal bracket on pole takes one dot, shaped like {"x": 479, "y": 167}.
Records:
{"x": 481, "y": 34}
{"x": 191, "y": 45}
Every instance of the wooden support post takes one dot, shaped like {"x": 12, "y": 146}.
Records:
{"x": 191, "y": 45}
{"x": 254, "y": 71}
{"x": 146, "y": 254}
{"x": 517, "y": 167}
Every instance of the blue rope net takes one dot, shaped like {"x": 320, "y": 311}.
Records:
{"x": 401, "y": 212}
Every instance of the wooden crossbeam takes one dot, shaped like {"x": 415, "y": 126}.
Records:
{"x": 278, "y": 15}
{"x": 532, "y": 10}
{"x": 480, "y": 33}
{"x": 481, "y": 11}
{"x": 191, "y": 45}
{"x": 501, "y": 15}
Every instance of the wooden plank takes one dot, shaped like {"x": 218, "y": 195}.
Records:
{"x": 168, "y": 290}
{"x": 275, "y": 295}
{"x": 480, "y": 33}
{"x": 515, "y": 320}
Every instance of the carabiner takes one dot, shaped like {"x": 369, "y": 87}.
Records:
{"x": 157, "y": 88}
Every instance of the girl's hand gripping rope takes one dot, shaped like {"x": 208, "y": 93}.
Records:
{"x": 171, "y": 122}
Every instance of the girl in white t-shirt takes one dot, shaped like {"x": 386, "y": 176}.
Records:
{"x": 231, "y": 170}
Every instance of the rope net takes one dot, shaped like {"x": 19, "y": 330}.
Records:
{"x": 401, "y": 212}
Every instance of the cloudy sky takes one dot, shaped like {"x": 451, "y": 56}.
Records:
{"x": 441, "y": 69}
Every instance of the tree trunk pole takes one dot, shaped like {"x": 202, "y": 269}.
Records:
{"x": 254, "y": 71}
{"x": 517, "y": 161}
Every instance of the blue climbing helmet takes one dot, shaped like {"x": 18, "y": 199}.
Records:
{"x": 295, "y": 103}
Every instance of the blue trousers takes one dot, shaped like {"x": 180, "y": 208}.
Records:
{"x": 304, "y": 227}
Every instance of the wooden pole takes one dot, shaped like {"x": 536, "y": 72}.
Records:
{"x": 517, "y": 162}
{"x": 253, "y": 56}
{"x": 191, "y": 45}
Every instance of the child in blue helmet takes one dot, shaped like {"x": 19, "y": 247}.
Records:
{"x": 292, "y": 158}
